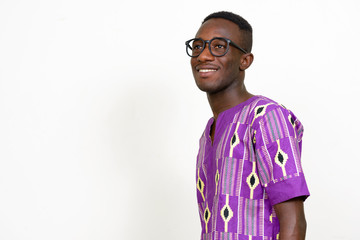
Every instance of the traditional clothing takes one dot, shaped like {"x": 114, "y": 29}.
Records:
{"x": 253, "y": 164}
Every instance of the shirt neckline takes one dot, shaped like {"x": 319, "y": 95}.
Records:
{"x": 224, "y": 116}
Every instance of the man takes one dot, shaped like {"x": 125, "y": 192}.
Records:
{"x": 250, "y": 183}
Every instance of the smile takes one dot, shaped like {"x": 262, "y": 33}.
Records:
{"x": 207, "y": 70}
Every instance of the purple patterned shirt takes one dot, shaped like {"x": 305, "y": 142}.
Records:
{"x": 253, "y": 164}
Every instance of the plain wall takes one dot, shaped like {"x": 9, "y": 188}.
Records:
{"x": 100, "y": 116}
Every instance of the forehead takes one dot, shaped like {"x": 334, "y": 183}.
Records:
{"x": 218, "y": 27}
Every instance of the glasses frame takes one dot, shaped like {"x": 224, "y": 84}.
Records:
{"x": 209, "y": 45}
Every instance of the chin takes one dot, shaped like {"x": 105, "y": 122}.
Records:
{"x": 207, "y": 88}
{"x": 207, "y": 84}
{"x": 203, "y": 85}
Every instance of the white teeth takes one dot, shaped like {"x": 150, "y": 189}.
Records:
{"x": 207, "y": 70}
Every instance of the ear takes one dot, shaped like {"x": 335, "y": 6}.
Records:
{"x": 246, "y": 60}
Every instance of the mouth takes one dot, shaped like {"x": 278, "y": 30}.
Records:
{"x": 206, "y": 70}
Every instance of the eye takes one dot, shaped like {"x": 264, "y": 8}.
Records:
{"x": 197, "y": 47}
{"x": 218, "y": 46}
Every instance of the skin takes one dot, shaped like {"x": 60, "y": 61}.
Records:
{"x": 225, "y": 88}
{"x": 292, "y": 219}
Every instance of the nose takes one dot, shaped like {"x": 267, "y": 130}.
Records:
{"x": 205, "y": 55}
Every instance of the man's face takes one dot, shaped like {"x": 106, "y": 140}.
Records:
{"x": 215, "y": 74}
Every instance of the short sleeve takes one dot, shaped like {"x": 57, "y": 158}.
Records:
{"x": 277, "y": 138}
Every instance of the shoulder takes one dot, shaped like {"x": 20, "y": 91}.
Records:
{"x": 265, "y": 107}
{"x": 254, "y": 110}
{"x": 275, "y": 120}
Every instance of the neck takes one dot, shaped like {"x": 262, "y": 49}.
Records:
{"x": 227, "y": 99}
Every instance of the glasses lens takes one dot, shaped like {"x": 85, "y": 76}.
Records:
{"x": 219, "y": 46}
{"x": 195, "y": 47}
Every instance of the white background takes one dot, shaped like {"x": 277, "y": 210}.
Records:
{"x": 100, "y": 117}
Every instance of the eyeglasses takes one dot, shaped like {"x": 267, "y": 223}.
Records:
{"x": 218, "y": 46}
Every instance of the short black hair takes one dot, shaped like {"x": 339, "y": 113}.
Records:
{"x": 244, "y": 27}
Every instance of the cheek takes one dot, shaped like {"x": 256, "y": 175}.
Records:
{"x": 193, "y": 62}
{"x": 233, "y": 67}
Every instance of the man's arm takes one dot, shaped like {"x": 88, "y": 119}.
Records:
{"x": 292, "y": 219}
